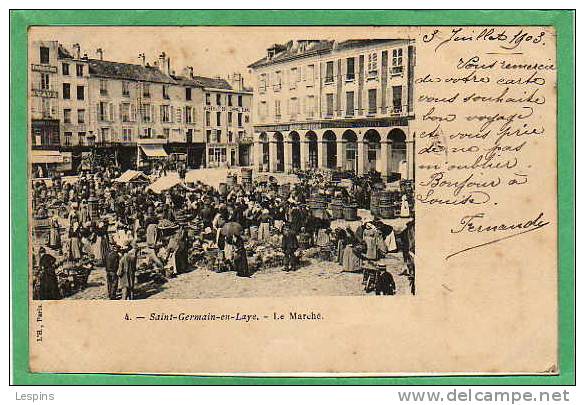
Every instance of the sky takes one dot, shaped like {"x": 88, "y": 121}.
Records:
{"x": 211, "y": 51}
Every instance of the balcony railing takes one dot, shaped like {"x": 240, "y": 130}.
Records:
{"x": 397, "y": 70}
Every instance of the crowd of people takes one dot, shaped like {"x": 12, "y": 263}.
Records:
{"x": 126, "y": 226}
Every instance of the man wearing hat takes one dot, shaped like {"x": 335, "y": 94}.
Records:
{"x": 111, "y": 263}
{"x": 127, "y": 270}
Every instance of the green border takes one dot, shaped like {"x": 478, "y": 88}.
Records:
{"x": 562, "y": 20}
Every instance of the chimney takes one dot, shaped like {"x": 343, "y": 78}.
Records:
{"x": 100, "y": 53}
{"x": 77, "y": 51}
{"x": 188, "y": 71}
{"x": 164, "y": 63}
{"x": 237, "y": 81}
{"x": 142, "y": 58}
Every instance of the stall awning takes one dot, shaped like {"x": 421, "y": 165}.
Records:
{"x": 46, "y": 156}
{"x": 154, "y": 150}
{"x": 132, "y": 176}
{"x": 164, "y": 183}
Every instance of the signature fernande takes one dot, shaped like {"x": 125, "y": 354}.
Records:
{"x": 472, "y": 224}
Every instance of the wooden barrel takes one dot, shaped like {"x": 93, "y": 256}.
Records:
{"x": 375, "y": 203}
{"x": 223, "y": 188}
{"x": 386, "y": 204}
{"x": 231, "y": 180}
{"x": 336, "y": 207}
{"x": 246, "y": 175}
{"x": 93, "y": 208}
{"x": 318, "y": 205}
{"x": 350, "y": 212}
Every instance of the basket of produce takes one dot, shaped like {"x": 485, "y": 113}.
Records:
{"x": 167, "y": 227}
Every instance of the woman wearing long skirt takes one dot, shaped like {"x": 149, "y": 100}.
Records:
{"x": 75, "y": 242}
{"x": 239, "y": 259}
{"x": 55, "y": 233}
{"x": 101, "y": 245}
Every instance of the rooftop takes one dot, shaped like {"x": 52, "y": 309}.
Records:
{"x": 305, "y": 48}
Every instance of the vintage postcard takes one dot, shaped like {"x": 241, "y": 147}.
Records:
{"x": 300, "y": 200}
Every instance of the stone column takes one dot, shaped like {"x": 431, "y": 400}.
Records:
{"x": 410, "y": 158}
{"x": 341, "y": 154}
{"x": 258, "y": 153}
{"x": 385, "y": 152}
{"x": 287, "y": 156}
{"x": 361, "y": 158}
{"x": 273, "y": 158}
{"x": 322, "y": 146}
{"x": 304, "y": 154}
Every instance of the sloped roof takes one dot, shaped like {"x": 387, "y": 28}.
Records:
{"x": 293, "y": 51}
{"x": 303, "y": 48}
{"x": 127, "y": 71}
{"x": 64, "y": 53}
{"x": 202, "y": 81}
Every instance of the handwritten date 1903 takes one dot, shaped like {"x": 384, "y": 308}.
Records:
{"x": 507, "y": 39}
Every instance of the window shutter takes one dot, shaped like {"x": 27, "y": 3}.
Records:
{"x": 97, "y": 112}
{"x": 120, "y": 112}
{"x": 132, "y": 112}
{"x": 111, "y": 112}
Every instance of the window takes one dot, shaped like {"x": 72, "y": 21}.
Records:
{"x": 218, "y": 99}
{"x": 44, "y": 54}
{"x": 329, "y": 72}
{"x": 310, "y": 75}
{"x": 188, "y": 115}
{"x": 207, "y": 99}
{"x": 103, "y": 87}
{"x": 277, "y": 80}
{"x": 79, "y": 70}
{"x": 207, "y": 118}
{"x": 310, "y": 106}
{"x": 81, "y": 116}
{"x": 218, "y": 118}
{"x": 67, "y": 116}
{"x": 44, "y": 81}
{"x": 127, "y": 134}
{"x": 218, "y": 136}
{"x": 147, "y": 133}
{"x": 68, "y": 136}
{"x": 350, "y": 64}
{"x": 329, "y": 99}
{"x": 229, "y": 100}
{"x": 397, "y": 98}
{"x": 165, "y": 92}
{"x": 293, "y": 77}
{"x": 166, "y": 133}
{"x": 145, "y": 90}
{"x": 349, "y": 107}
{"x": 230, "y": 136}
{"x": 105, "y": 135}
{"x": 46, "y": 107}
{"x": 293, "y": 107}
{"x": 208, "y": 135}
{"x": 240, "y": 101}
{"x": 146, "y": 113}
{"x": 66, "y": 91}
{"x": 65, "y": 69}
{"x": 372, "y": 101}
{"x": 277, "y": 109}
{"x": 81, "y": 138}
{"x": 240, "y": 119}
{"x": 188, "y": 93}
{"x": 125, "y": 112}
{"x": 263, "y": 110}
{"x": 263, "y": 82}
{"x": 165, "y": 113}
{"x": 229, "y": 118}
{"x": 103, "y": 111}
{"x": 125, "y": 89}
{"x": 80, "y": 92}
{"x": 373, "y": 64}
{"x": 397, "y": 61}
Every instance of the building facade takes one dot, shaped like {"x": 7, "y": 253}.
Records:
{"x": 338, "y": 105}
{"x": 134, "y": 113}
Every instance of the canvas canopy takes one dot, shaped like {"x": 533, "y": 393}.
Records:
{"x": 164, "y": 183}
{"x": 154, "y": 150}
{"x": 132, "y": 176}
{"x": 46, "y": 156}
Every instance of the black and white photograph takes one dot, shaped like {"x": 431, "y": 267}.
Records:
{"x": 220, "y": 167}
